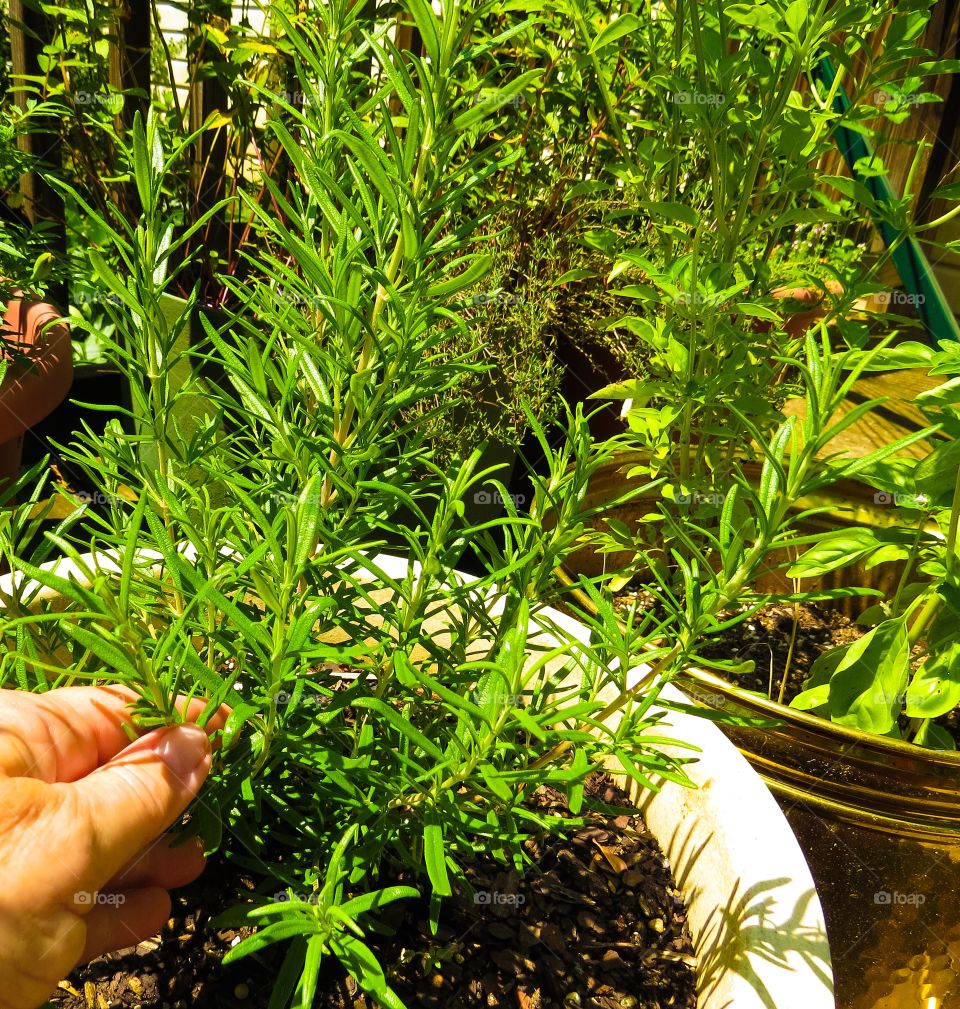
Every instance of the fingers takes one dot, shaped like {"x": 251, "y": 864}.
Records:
{"x": 162, "y": 864}
{"x": 62, "y": 734}
{"x": 135, "y": 797}
{"x": 124, "y": 919}
{"x": 65, "y": 734}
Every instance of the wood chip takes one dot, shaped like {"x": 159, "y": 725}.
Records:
{"x": 529, "y": 1000}
{"x": 615, "y": 862}
{"x": 589, "y": 920}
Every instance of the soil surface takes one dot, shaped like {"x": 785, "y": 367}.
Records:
{"x": 765, "y": 638}
{"x": 596, "y": 922}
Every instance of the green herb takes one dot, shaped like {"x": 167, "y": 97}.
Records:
{"x": 238, "y": 556}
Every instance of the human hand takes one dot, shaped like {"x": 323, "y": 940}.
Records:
{"x": 83, "y": 866}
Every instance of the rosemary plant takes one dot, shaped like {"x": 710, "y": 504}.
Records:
{"x": 386, "y": 717}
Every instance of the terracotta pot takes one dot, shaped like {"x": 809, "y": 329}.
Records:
{"x": 811, "y": 304}
{"x": 38, "y": 377}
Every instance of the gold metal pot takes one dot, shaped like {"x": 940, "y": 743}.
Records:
{"x": 878, "y": 819}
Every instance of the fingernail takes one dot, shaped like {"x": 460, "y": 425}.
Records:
{"x": 185, "y": 749}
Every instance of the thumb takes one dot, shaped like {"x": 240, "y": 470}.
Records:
{"x": 132, "y": 799}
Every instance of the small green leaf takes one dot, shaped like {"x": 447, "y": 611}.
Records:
{"x": 936, "y": 475}
{"x": 815, "y": 697}
{"x": 617, "y": 29}
{"x": 796, "y": 17}
{"x": 836, "y": 549}
{"x": 309, "y": 513}
{"x": 435, "y": 856}
{"x": 362, "y": 963}
{"x": 108, "y": 652}
{"x": 477, "y": 269}
{"x": 672, "y": 212}
{"x": 758, "y": 311}
{"x": 934, "y": 737}
{"x": 481, "y": 110}
{"x": 948, "y": 192}
{"x": 866, "y": 688}
{"x": 379, "y": 898}
{"x": 935, "y": 688}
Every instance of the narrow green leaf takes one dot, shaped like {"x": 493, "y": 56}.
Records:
{"x": 435, "y": 856}
{"x": 625, "y": 24}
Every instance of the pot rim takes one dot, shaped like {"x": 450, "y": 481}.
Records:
{"x": 843, "y": 734}
{"x": 765, "y": 707}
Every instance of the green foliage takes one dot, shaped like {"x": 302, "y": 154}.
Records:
{"x": 385, "y": 715}
{"x": 701, "y": 555}
{"x": 729, "y": 127}
{"x": 908, "y": 664}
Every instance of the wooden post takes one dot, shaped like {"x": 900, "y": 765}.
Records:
{"x": 41, "y": 203}
{"x": 130, "y": 58}
{"x": 208, "y": 167}
{"x": 129, "y": 68}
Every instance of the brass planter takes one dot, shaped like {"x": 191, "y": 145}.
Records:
{"x": 878, "y": 819}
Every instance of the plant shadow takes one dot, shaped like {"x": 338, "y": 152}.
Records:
{"x": 753, "y": 937}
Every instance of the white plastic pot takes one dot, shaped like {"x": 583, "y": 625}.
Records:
{"x": 753, "y": 910}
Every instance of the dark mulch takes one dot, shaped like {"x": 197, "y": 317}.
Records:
{"x": 595, "y": 923}
{"x": 765, "y": 639}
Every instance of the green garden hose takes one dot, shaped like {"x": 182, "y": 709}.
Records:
{"x": 911, "y": 262}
